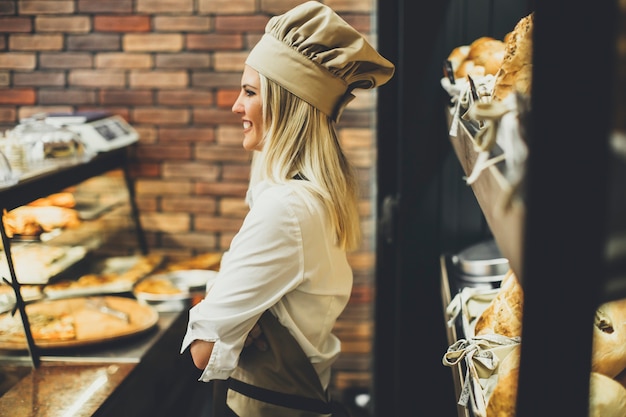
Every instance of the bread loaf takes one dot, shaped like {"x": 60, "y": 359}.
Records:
{"x": 502, "y": 401}
{"x": 487, "y": 52}
{"x": 609, "y": 339}
{"x": 503, "y": 315}
{"x": 607, "y": 397}
{"x": 515, "y": 74}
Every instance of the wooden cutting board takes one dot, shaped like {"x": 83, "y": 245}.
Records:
{"x": 91, "y": 325}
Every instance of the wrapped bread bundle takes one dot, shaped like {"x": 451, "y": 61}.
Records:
{"x": 515, "y": 74}
{"x": 503, "y": 315}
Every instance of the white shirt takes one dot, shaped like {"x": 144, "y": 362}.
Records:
{"x": 283, "y": 258}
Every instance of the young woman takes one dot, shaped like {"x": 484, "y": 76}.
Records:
{"x": 286, "y": 268}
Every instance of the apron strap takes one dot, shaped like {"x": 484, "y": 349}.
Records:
{"x": 296, "y": 402}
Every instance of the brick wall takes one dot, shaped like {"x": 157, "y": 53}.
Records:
{"x": 172, "y": 69}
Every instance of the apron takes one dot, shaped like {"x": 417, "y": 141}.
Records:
{"x": 278, "y": 382}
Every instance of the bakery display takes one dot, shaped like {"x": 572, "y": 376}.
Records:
{"x": 503, "y": 316}
{"x": 112, "y": 275}
{"x": 77, "y": 321}
{"x": 204, "y": 260}
{"x": 34, "y": 220}
{"x": 508, "y": 61}
{"x": 36, "y": 264}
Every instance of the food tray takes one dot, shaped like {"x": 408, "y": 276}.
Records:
{"x": 92, "y": 326}
{"x": 112, "y": 267}
{"x": 36, "y": 264}
{"x": 172, "y": 291}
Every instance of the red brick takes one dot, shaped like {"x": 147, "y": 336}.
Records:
{"x": 350, "y": 5}
{"x": 159, "y": 116}
{"x": 226, "y": 6}
{"x": 185, "y": 97}
{"x": 184, "y": 60}
{"x": 182, "y": 23}
{"x": 160, "y": 152}
{"x": 165, "y": 222}
{"x": 229, "y": 61}
{"x": 17, "y": 61}
{"x": 216, "y": 79}
{"x": 190, "y": 170}
{"x": 222, "y": 189}
{"x": 15, "y": 24}
{"x": 94, "y": 42}
{"x": 19, "y": 96}
{"x": 126, "y": 97}
{"x": 8, "y": 115}
{"x": 66, "y": 24}
{"x": 226, "y": 98}
{"x": 240, "y": 24}
{"x": 233, "y": 207}
{"x": 217, "y": 224}
{"x": 122, "y": 23}
{"x": 186, "y": 134}
{"x": 158, "y": 79}
{"x": 65, "y": 60}
{"x": 214, "y": 42}
{"x": 356, "y": 138}
{"x": 236, "y": 172}
{"x": 21, "y": 42}
{"x": 123, "y": 60}
{"x": 70, "y": 97}
{"x": 38, "y": 7}
{"x": 147, "y": 134}
{"x": 230, "y": 135}
{"x": 162, "y": 188}
{"x": 191, "y": 204}
{"x": 39, "y": 78}
{"x": 153, "y": 42}
{"x": 147, "y": 203}
{"x": 7, "y": 7}
{"x": 226, "y": 238}
{"x": 105, "y": 6}
{"x": 278, "y": 6}
{"x": 145, "y": 170}
{"x": 361, "y": 22}
{"x": 215, "y": 116}
{"x": 97, "y": 78}
{"x": 164, "y": 6}
{"x": 199, "y": 241}
{"x": 218, "y": 153}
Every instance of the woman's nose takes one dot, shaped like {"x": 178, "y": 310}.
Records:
{"x": 237, "y": 107}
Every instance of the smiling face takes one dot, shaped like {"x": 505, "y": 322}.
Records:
{"x": 249, "y": 106}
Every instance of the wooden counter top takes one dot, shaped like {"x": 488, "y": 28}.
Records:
{"x": 138, "y": 377}
{"x": 59, "y": 389}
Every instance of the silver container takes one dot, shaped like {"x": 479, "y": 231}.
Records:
{"x": 481, "y": 262}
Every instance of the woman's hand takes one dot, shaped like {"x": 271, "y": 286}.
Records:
{"x": 256, "y": 338}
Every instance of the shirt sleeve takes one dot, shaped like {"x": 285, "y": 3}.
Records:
{"x": 264, "y": 262}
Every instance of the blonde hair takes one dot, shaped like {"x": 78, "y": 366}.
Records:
{"x": 301, "y": 140}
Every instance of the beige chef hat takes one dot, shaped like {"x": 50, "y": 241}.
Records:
{"x": 317, "y": 56}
